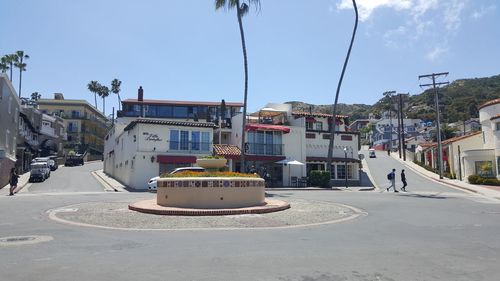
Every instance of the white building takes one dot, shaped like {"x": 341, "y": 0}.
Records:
{"x": 485, "y": 160}
{"x": 147, "y": 147}
{"x": 276, "y": 133}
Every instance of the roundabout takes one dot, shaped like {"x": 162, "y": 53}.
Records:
{"x": 118, "y": 216}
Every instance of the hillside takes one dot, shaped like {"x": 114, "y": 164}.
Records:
{"x": 458, "y": 101}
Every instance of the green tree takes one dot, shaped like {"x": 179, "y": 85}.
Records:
{"x": 10, "y": 60}
{"x": 19, "y": 63}
{"x": 4, "y": 65}
{"x": 103, "y": 92}
{"x": 35, "y": 96}
{"x": 241, "y": 9}
{"x": 93, "y": 87}
{"x": 115, "y": 89}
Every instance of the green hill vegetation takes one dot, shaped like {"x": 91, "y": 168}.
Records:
{"x": 458, "y": 101}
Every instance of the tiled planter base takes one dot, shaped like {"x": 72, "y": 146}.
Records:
{"x": 151, "y": 207}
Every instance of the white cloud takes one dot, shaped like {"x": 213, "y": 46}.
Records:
{"x": 482, "y": 11}
{"x": 452, "y": 14}
{"x": 437, "y": 53}
{"x": 366, "y": 7}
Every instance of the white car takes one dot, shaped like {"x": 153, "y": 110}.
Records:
{"x": 152, "y": 183}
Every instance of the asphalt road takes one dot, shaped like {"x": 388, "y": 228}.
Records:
{"x": 69, "y": 179}
{"x": 450, "y": 236}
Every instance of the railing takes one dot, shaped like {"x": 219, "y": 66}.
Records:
{"x": 189, "y": 147}
{"x": 263, "y": 149}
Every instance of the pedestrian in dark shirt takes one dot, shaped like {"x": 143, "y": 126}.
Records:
{"x": 13, "y": 181}
{"x": 403, "y": 180}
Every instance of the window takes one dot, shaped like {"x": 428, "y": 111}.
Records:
{"x": 498, "y": 126}
{"x": 310, "y": 136}
{"x": 180, "y": 112}
{"x": 484, "y": 168}
{"x": 195, "y": 140}
{"x": 75, "y": 114}
{"x": 184, "y": 140}
{"x": 309, "y": 125}
{"x": 174, "y": 140}
{"x": 318, "y": 126}
{"x": 498, "y": 165}
{"x": 346, "y": 137}
{"x": 340, "y": 171}
{"x": 205, "y": 141}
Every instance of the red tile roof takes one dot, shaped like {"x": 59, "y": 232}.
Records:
{"x": 174, "y": 102}
{"x": 315, "y": 114}
{"x": 169, "y": 122}
{"x": 227, "y": 150}
{"x": 495, "y": 117}
{"x": 488, "y": 103}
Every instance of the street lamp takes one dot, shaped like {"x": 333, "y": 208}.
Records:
{"x": 345, "y": 154}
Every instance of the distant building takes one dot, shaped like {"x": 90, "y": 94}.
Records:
{"x": 152, "y": 137}
{"x": 9, "y": 118}
{"x": 86, "y": 127}
{"x": 384, "y": 139}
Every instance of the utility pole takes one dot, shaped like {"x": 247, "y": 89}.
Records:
{"x": 435, "y": 86}
{"x": 388, "y": 95}
{"x": 401, "y": 105}
{"x": 400, "y": 117}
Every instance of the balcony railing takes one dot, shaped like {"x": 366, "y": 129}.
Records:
{"x": 189, "y": 147}
{"x": 264, "y": 149}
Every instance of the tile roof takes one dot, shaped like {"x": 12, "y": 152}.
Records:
{"x": 495, "y": 117}
{"x": 174, "y": 102}
{"x": 315, "y": 114}
{"x": 170, "y": 123}
{"x": 488, "y": 103}
{"x": 455, "y": 139}
{"x": 227, "y": 150}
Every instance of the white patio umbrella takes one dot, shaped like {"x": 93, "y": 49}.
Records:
{"x": 290, "y": 162}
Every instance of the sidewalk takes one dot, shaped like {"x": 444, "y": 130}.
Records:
{"x": 109, "y": 183}
{"x": 485, "y": 190}
{"x": 23, "y": 180}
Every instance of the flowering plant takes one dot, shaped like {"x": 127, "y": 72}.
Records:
{"x": 189, "y": 174}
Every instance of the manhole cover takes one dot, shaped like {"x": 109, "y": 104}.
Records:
{"x": 22, "y": 240}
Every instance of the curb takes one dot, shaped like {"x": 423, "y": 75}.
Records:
{"x": 103, "y": 182}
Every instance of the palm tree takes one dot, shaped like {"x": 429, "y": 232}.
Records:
{"x": 241, "y": 10}
{"x": 10, "y": 60}
{"x": 20, "y": 56}
{"x": 35, "y": 96}
{"x": 4, "y": 65}
{"x": 334, "y": 112}
{"x": 93, "y": 87}
{"x": 103, "y": 92}
{"x": 115, "y": 88}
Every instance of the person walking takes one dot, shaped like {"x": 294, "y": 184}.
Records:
{"x": 13, "y": 181}
{"x": 403, "y": 180}
{"x": 392, "y": 180}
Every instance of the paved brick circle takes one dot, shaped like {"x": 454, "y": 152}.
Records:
{"x": 150, "y": 207}
{"x": 118, "y": 216}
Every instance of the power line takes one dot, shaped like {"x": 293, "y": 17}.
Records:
{"x": 435, "y": 85}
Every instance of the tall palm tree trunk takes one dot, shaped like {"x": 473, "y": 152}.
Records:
{"x": 103, "y": 106}
{"x": 245, "y": 63}
{"x": 10, "y": 77}
{"x": 119, "y": 102}
{"x": 20, "y": 79}
{"x": 95, "y": 100}
{"x": 334, "y": 113}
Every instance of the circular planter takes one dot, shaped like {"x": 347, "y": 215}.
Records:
{"x": 210, "y": 193}
{"x": 214, "y": 163}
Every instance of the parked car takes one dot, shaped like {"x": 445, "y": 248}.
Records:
{"x": 52, "y": 164}
{"x": 371, "y": 153}
{"x": 152, "y": 183}
{"x": 73, "y": 160}
{"x": 40, "y": 171}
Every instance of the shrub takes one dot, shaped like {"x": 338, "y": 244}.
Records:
{"x": 475, "y": 179}
{"x": 492, "y": 181}
{"x": 319, "y": 178}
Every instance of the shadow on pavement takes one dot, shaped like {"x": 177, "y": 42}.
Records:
{"x": 416, "y": 195}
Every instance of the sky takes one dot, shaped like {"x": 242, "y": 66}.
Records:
{"x": 186, "y": 50}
